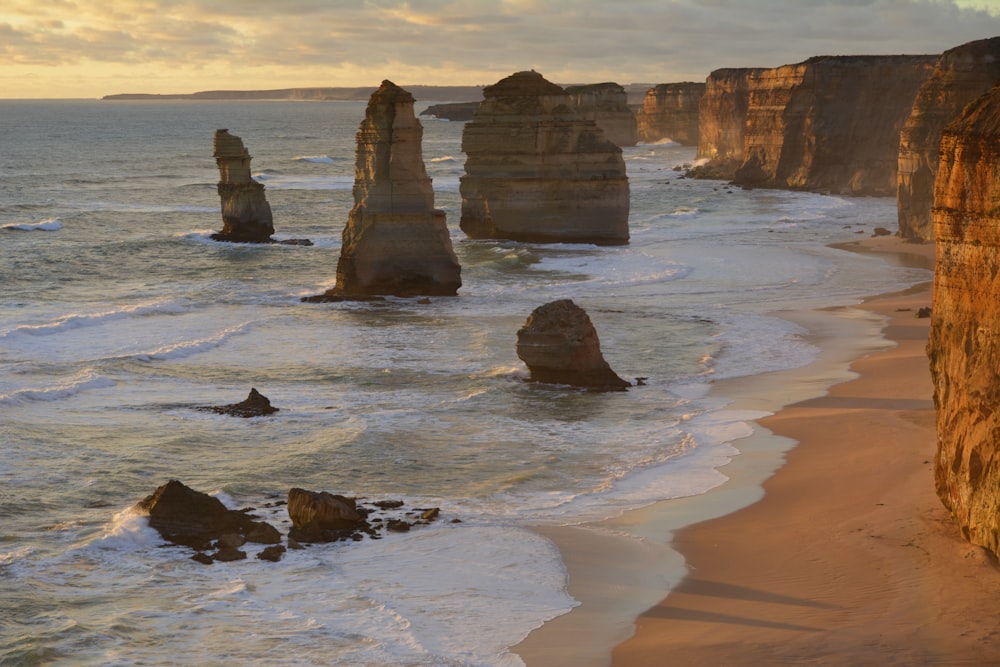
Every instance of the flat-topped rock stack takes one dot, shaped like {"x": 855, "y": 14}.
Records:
{"x": 395, "y": 242}
{"x": 607, "y": 105}
{"x": 246, "y": 215}
{"x": 964, "y": 341}
{"x": 539, "y": 172}
{"x": 960, "y": 75}
{"x": 670, "y": 111}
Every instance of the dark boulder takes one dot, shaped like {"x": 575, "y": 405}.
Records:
{"x": 255, "y": 405}
{"x": 324, "y": 517}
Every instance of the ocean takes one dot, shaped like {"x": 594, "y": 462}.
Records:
{"x": 119, "y": 317}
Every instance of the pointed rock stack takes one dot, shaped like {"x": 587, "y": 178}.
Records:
{"x": 246, "y": 215}
{"x": 964, "y": 341}
{"x": 538, "y": 171}
{"x": 395, "y": 242}
{"x": 961, "y": 75}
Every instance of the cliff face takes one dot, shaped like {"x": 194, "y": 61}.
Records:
{"x": 830, "y": 123}
{"x": 722, "y": 115}
{"x": 961, "y": 75}
{"x": 607, "y": 105}
{"x": 536, "y": 171}
{"x": 670, "y": 111}
{"x": 246, "y": 215}
{"x": 395, "y": 241}
{"x": 964, "y": 343}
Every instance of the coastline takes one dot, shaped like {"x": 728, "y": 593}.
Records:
{"x": 843, "y": 556}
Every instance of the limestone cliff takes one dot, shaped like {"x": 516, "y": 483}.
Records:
{"x": 246, "y": 215}
{"x": 395, "y": 242}
{"x": 831, "y": 123}
{"x": 961, "y": 75}
{"x": 722, "y": 114}
{"x": 670, "y": 111}
{"x": 607, "y": 105}
{"x": 536, "y": 171}
{"x": 964, "y": 342}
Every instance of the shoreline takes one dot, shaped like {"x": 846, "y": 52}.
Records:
{"x": 618, "y": 565}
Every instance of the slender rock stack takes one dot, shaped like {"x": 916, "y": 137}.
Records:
{"x": 964, "y": 341}
{"x": 536, "y": 171}
{"x": 395, "y": 242}
{"x": 246, "y": 215}
{"x": 961, "y": 75}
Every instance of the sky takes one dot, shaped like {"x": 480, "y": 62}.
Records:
{"x": 92, "y": 48}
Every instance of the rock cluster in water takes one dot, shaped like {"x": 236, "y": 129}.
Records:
{"x": 395, "y": 242}
{"x": 670, "y": 111}
{"x": 960, "y": 75}
{"x": 964, "y": 342}
{"x": 246, "y": 215}
{"x": 607, "y": 105}
{"x": 559, "y": 345}
{"x": 537, "y": 171}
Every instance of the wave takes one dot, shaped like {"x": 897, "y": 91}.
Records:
{"x": 80, "y": 382}
{"x": 191, "y": 347}
{"x": 319, "y": 159}
{"x": 446, "y": 158}
{"x": 76, "y": 321}
{"x": 299, "y": 182}
{"x": 49, "y": 225}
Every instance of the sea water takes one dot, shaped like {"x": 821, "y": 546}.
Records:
{"x": 119, "y": 317}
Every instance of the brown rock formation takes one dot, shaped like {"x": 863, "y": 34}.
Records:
{"x": 255, "y": 405}
{"x": 670, "y": 111}
{"x": 722, "y": 115}
{"x": 559, "y": 345}
{"x": 246, "y": 215}
{"x": 607, "y": 105}
{"x": 830, "y": 123}
{"x": 964, "y": 342}
{"x": 395, "y": 242}
{"x": 961, "y": 75}
{"x": 536, "y": 171}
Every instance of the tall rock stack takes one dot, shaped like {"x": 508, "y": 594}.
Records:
{"x": 831, "y": 123}
{"x": 964, "y": 342}
{"x": 722, "y": 114}
{"x": 607, "y": 105}
{"x": 537, "y": 171}
{"x": 246, "y": 215}
{"x": 961, "y": 75}
{"x": 395, "y": 242}
{"x": 670, "y": 111}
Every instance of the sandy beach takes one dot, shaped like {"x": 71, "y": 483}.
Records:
{"x": 846, "y": 558}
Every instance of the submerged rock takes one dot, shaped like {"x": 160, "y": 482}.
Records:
{"x": 559, "y": 344}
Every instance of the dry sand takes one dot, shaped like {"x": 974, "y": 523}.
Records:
{"x": 846, "y": 557}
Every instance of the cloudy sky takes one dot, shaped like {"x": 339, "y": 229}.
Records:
{"x": 90, "y": 48}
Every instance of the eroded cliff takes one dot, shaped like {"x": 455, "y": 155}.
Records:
{"x": 539, "y": 172}
{"x": 670, "y": 111}
{"x": 607, "y": 105}
{"x": 960, "y": 75}
{"x": 830, "y": 124}
{"x": 722, "y": 114}
{"x": 964, "y": 342}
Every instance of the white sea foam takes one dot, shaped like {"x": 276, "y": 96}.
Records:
{"x": 60, "y": 390}
{"x": 446, "y": 158}
{"x": 50, "y": 225}
{"x": 79, "y": 320}
{"x": 320, "y": 159}
{"x": 187, "y": 348}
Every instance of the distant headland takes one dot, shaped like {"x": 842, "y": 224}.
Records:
{"x": 440, "y": 93}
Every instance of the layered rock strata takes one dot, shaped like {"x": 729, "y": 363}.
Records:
{"x": 670, "y": 111}
{"x": 722, "y": 114}
{"x": 395, "y": 242}
{"x": 607, "y": 105}
{"x": 964, "y": 341}
{"x": 246, "y": 215}
{"x": 537, "y": 171}
{"x": 830, "y": 124}
{"x": 960, "y": 75}
{"x": 559, "y": 345}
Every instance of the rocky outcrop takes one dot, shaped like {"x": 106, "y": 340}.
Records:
{"x": 559, "y": 345}
{"x": 187, "y": 517}
{"x": 964, "y": 342}
{"x": 395, "y": 242}
{"x": 536, "y": 171}
{"x": 246, "y": 215}
{"x": 722, "y": 115}
{"x": 255, "y": 405}
{"x": 326, "y": 517}
{"x": 960, "y": 75}
{"x": 830, "y": 124}
{"x": 670, "y": 112}
{"x": 607, "y": 105}
{"x": 460, "y": 111}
